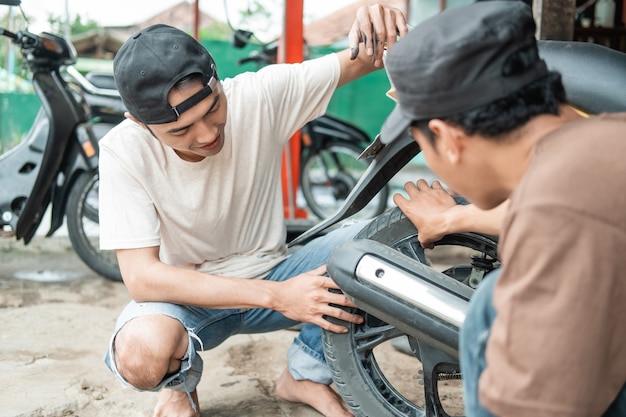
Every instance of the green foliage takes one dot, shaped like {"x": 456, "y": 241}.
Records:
{"x": 215, "y": 31}
{"x": 77, "y": 26}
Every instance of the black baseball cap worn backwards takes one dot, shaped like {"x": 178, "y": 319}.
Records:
{"x": 453, "y": 62}
{"x": 151, "y": 62}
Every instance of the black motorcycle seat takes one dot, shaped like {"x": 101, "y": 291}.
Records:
{"x": 101, "y": 80}
{"x": 594, "y": 75}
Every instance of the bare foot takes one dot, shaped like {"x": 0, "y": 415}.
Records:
{"x": 319, "y": 396}
{"x": 176, "y": 404}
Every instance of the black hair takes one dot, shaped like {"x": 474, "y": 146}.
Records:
{"x": 188, "y": 80}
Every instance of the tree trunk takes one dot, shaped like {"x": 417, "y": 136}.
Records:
{"x": 555, "y": 19}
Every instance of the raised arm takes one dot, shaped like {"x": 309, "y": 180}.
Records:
{"x": 375, "y": 28}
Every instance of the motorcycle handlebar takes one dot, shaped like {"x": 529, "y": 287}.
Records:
{"x": 22, "y": 38}
{"x": 8, "y": 34}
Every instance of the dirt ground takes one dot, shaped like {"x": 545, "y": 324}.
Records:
{"x": 56, "y": 318}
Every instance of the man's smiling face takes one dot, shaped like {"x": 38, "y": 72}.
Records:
{"x": 199, "y": 131}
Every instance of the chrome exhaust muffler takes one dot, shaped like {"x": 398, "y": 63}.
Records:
{"x": 418, "y": 300}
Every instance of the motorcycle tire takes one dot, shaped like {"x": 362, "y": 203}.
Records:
{"x": 329, "y": 175}
{"x": 358, "y": 377}
{"x": 84, "y": 229}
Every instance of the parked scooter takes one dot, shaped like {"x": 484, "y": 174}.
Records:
{"x": 55, "y": 165}
{"x": 385, "y": 271}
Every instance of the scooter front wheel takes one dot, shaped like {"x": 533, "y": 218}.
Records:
{"x": 84, "y": 229}
{"x": 360, "y": 359}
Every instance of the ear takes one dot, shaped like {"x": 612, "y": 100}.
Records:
{"x": 131, "y": 117}
{"x": 449, "y": 141}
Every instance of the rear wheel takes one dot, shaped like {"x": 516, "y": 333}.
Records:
{"x": 328, "y": 177}
{"x": 359, "y": 358}
{"x": 84, "y": 228}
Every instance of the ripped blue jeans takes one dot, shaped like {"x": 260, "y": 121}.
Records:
{"x": 208, "y": 328}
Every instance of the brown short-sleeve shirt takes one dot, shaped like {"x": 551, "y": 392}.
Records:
{"x": 558, "y": 344}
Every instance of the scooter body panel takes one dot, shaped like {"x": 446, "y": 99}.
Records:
{"x": 19, "y": 169}
{"x": 65, "y": 114}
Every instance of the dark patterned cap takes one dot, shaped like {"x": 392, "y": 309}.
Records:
{"x": 453, "y": 62}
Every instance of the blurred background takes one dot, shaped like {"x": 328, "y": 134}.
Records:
{"x": 97, "y": 30}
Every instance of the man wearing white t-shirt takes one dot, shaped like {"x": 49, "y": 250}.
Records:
{"x": 191, "y": 201}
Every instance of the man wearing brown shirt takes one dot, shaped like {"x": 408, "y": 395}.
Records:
{"x": 545, "y": 337}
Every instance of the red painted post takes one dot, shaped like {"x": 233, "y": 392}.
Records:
{"x": 290, "y": 50}
{"x": 196, "y": 20}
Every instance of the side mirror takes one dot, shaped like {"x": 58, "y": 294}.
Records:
{"x": 239, "y": 39}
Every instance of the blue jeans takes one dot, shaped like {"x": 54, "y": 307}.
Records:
{"x": 208, "y": 328}
{"x": 473, "y": 342}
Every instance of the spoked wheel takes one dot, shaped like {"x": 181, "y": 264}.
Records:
{"x": 84, "y": 228}
{"x": 368, "y": 380}
{"x": 328, "y": 177}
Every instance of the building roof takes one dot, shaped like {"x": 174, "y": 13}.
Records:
{"x": 97, "y": 43}
{"x": 181, "y": 16}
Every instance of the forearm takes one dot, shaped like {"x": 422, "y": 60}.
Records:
{"x": 305, "y": 297}
{"x": 469, "y": 218}
{"x": 353, "y": 69}
{"x": 153, "y": 280}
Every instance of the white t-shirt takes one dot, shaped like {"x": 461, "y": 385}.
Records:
{"x": 224, "y": 214}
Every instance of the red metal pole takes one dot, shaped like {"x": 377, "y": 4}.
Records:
{"x": 196, "y": 20}
{"x": 290, "y": 50}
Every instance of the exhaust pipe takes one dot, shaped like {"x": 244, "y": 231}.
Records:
{"x": 401, "y": 291}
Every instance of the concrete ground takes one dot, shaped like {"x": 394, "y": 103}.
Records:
{"x": 56, "y": 318}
